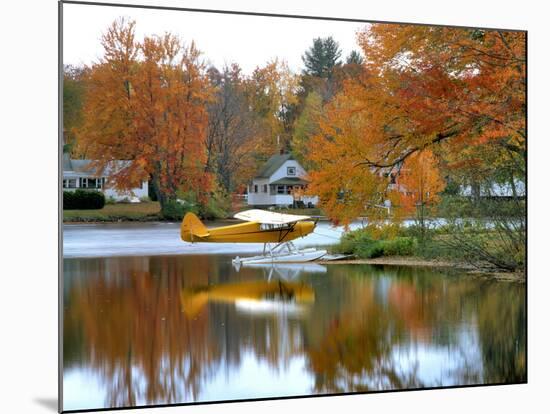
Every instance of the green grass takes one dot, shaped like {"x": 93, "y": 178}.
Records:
{"x": 149, "y": 211}
{"x": 116, "y": 212}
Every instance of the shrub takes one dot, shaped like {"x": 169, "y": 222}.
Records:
{"x": 376, "y": 241}
{"x": 216, "y": 206}
{"x": 83, "y": 200}
{"x": 350, "y": 241}
{"x": 400, "y": 246}
{"x": 370, "y": 251}
{"x": 488, "y": 233}
{"x": 213, "y": 209}
{"x": 383, "y": 231}
{"x": 175, "y": 210}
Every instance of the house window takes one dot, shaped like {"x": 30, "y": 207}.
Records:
{"x": 69, "y": 183}
{"x": 280, "y": 189}
{"x": 92, "y": 183}
{"x": 265, "y": 188}
{"x": 255, "y": 188}
{"x": 290, "y": 170}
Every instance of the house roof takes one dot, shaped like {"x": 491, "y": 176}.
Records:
{"x": 84, "y": 167}
{"x": 77, "y": 166}
{"x": 290, "y": 181}
{"x": 273, "y": 165}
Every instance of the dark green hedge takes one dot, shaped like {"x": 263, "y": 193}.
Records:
{"x": 83, "y": 200}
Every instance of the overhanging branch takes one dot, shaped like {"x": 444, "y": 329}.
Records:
{"x": 390, "y": 164}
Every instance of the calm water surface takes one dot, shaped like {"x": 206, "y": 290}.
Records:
{"x": 136, "y": 239}
{"x": 170, "y": 329}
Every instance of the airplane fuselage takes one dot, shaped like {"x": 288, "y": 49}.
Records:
{"x": 250, "y": 232}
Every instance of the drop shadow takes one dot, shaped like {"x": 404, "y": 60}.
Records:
{"x": 49, "y": 403}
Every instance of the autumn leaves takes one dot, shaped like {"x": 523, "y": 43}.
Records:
{"x": 425, "y": 98}
{"x": 146, "y": 102}
{"x": 188, "y": 128}
{"x": 420, "y": 108}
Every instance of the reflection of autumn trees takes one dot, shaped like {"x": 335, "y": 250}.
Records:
{"x": 355, "y": 351}
{"x": 137, "y": 337}
{"x": 502, "y": 329}
{"x": 124, "y": 321}
{"x": 351, "y": 349}
{"x": 128, "y": 326}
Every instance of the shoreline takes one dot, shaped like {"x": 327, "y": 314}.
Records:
{"x": 443, "y": 264}
{"x": 399, "y": 261}
{"x": 416, "y": 261}
{"x": 156, "y": 220}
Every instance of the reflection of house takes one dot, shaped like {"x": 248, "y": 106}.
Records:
{"x": 276, "y": 182}
{"x": 78, "y": 174}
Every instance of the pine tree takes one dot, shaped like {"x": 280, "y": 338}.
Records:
{"x": 321, "y": 58}
{"x": 354, "y": 58}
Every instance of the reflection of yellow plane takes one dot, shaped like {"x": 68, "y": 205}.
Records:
{"x": 261, "y": 227}
{"x": 193, "y": 300}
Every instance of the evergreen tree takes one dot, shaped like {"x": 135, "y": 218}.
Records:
{"x": 354, "y": 58}
{"x": 321, "y": 58}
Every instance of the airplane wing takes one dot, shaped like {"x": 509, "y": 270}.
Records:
{"x": 269, "y": 217}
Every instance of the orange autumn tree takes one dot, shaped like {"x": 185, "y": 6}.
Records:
{"x": 443, "y": 89}
{"x": 146, "y": 104}
{"x": 422, "y": 183}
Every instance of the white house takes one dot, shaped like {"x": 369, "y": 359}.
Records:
{"x": 275, "y": 182}
{"x": 78, "y": 174}
{"x": 496, "y": 190}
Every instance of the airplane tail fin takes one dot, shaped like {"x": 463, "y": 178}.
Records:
{"x": 192, "y": 228}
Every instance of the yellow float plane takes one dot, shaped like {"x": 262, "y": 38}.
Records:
{"x": 259, "y": 227}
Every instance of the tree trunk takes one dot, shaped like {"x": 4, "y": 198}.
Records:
{"x": 514, "y": 189}
{"x": 476, "y": 193}
{"x": 161, "y": 196}
{"x": 422, "y": 222}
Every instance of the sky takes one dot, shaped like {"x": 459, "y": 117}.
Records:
{"x": 250, "y": 41}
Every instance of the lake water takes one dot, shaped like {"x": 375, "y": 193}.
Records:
{"x": 130, "y": 239}
{"x": 156, "y": 329}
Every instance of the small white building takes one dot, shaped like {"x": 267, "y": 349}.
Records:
{"x": 496, "y": 190}
{"x": 78, "y": 174}
{"x": 276, "y": 181}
